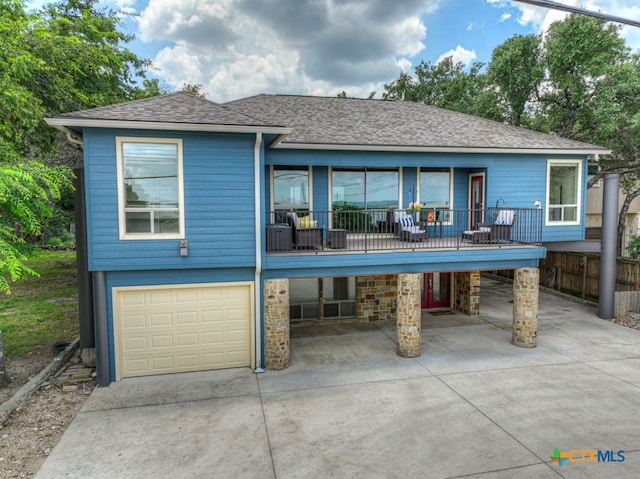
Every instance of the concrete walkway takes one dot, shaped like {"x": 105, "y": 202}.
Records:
{"x": 472, "y": 405}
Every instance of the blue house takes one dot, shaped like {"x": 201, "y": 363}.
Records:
{"x": 210, "y": 227}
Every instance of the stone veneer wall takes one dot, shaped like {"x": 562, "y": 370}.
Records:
{"x": 376, "y": 297}
{"x": 277, "y": 348}
{"x": 525, "y": 307}
{"x": 409, "y": 317}
{"x": 467, "y": 292}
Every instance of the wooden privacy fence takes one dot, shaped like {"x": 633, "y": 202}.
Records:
{"x": 578, "y": 274}
{"x": 625, "y": 302}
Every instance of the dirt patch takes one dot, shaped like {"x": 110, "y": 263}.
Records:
{"x": 20, "y": 370}
{"x": 32, "y": 430}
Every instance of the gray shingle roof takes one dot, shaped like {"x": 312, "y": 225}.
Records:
{"x": 174, "y": 108}
{"x": 346, "y": 121}
{"x": 332, "y": 122}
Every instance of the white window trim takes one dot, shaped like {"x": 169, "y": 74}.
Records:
{"x": 551, "y": 163}
{"x": 121, "y": 190}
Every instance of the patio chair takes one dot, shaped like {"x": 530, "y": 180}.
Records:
{"x": 304, "y": 232}
{"x": 497, "y": 232}
{"x": 406, "y": 229}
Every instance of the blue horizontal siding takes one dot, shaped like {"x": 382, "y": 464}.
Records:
{"x": 218, "y": 196}
{"x": 154, "y": 278}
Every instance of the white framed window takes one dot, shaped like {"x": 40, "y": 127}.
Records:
{"x": 435, "y": 192}
{"x": 150, "y": 188}
{"x": 564, "y": 190}
{"x": 291, "y": 188}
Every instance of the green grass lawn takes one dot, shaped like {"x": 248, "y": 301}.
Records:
{"x": 41, "y": 310}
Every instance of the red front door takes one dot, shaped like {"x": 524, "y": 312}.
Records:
{"x": 436, "y": 291}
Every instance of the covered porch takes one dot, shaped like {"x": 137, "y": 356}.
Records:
{"x": 408, "y": 313}
{"x": 383, "y": 230}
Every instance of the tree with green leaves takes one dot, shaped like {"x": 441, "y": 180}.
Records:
{"x": 447, "y": 85}
{"x": 516, "y": 71}
{"x": 592, "y": 94}
{"x": 68, "y": 56}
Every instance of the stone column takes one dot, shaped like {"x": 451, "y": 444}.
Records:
{"x": 409, "y": 316}
{"x": 467, "y": 296}
{"x": 277, "y": 349}
{"x": 525, "y": 307}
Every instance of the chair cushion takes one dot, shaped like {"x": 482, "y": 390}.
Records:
{"x": 306, "y": 222}
{"x": 505, "y": 217}
{"x": 406, "y": 221}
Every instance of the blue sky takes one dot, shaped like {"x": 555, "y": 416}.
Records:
{"x": 237, "y": 48}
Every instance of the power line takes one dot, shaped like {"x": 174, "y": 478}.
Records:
{"x": 582, "y": 11}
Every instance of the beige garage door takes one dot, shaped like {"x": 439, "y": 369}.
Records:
{"x": 159, "y": 330}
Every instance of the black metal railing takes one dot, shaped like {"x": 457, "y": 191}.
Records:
{"x": 371, "y": 230}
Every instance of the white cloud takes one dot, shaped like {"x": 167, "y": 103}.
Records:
{"x": 237, "y": 48}
{"x": 462, "y": 55}
{"x": 504, "y": 17}
{"x": 541, "y": 18}
{"x": 404, "y": 65}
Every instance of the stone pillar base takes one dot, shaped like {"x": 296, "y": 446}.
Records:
{"x": 525, "y": 307}
{"x": 277, "y": 350}
{"x": 467, "y": 292}
{"x": 409, "y": 320}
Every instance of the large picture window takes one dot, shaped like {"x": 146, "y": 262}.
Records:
{"x": 364, "y": 189}
{"x": 150, "y": 188}
{"x": 563, "y": 191}
{"x": 435, "y": 188}
{"x": 290, "y": 188}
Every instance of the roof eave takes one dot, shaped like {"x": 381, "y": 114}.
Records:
{"x": 441, "y": 149}
{"x": 65, "y": 122}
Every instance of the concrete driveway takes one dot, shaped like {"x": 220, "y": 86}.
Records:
{"x": 472, "y": 405}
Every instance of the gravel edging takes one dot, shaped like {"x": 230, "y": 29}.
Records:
{"x": 32, "y": 386}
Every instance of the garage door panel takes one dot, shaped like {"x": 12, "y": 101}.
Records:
{"x": 137, "y": 365}
{"x": 188, "y": 361}
{"x": 213, "y": 338}
{"x": 163, "y": 363}
{"x": 186, "y": 296}
{"x": 135, "y": 321}
{"x": 164, "y": 341}
{"x": 213, "y": 316}
{"x": 183, "y": 329}
{"x": 213, "y": 295}
{"x": 132, "y": 344}
{"x": 237, "y": 336}
{"x": 183, "y": 340}
{"x": 187, "y": 318}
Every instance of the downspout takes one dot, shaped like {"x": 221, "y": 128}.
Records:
{"x": 257, "y": 289}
